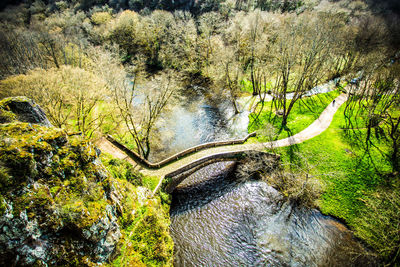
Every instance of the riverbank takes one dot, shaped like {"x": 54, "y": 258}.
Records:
{"x": 357, "y": 186}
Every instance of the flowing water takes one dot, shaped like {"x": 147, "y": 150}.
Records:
{"x": 217, "y": 220}
{"x": 196, "y": 120}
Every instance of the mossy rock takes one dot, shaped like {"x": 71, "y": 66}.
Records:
{"x": 24, "y": 109}
{"x": 7, "y": 116}
{"x": 56, "y": 186}
{"x": 60, "y": 206}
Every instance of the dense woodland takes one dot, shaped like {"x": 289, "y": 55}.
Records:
{"x": 84, "y": 61}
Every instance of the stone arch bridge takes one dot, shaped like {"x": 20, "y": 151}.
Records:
{"x": 176, "y": 168}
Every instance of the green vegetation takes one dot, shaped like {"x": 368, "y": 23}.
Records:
{"x": 121, "y": 169}
{"x": 98, "y": 52}
{"x": 114, "y": 67}
{"x": 247, "y": 86}
{"x": 63, "y": 188}
{"x": 145, "y": 238}
{"x": 146, "y": 242}
{"x": 305, "y": 111}
{"x": 358, "y": 185}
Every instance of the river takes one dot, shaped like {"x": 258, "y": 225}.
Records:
{"x": 217, "y": 220}
{"x": 196, "y": 119}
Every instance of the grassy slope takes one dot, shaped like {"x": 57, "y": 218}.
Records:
{"x": 145, "y": 236}
{"x": 304, "y": 112}
{"x": 348, "y": 171}
{"x": 355, "y": 183}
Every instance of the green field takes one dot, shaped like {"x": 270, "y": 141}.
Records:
{"x": 304, "y": 112}
{"x": 358, "y": 185}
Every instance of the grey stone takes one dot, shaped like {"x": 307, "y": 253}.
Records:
{"x": 27, "y": 110}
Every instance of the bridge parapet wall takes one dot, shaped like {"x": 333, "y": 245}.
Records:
{"x": 147, "y": 164}
{"x": 266, "y": 161}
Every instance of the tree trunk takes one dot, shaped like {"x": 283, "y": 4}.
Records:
{"x": 235, "y": 106}
{"x": 395, "y": 159}
{"x": 284, "y": 120}
{"x": 147, "y": 152}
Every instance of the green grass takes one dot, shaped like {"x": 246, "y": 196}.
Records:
{"x": 145, "y": 237}
{"x": 121, "y": 169}
{"x": 348, "y": 171}
{"x": 151, "y": 182}
{"x": 304, "y": 112}
{"x": 247, "y": 86}
{"x": 352, "y": 180}
{"x": 147, "y": 242}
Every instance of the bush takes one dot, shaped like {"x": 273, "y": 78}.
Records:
{"x": 296, "y": 182}
{"x": 99, "y": 18}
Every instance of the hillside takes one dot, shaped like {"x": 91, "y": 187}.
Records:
{"x": 61, "y": 206}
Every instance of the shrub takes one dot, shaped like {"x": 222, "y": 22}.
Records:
{"x": 99, "y": 18}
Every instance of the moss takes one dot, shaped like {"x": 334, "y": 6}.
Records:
{"x": 147, "y": 240}
{"x": 2, "y": 205}
{"x": 4, "y": 102}
{"x": 65, "y": 177}
{"x": 22, "y": 146}
{"x": 78, "y": 214}
{"x": 7, "y": 116}
{"x": 5, "y": 178}
{"x": 60, "y": 183}
{"x": 128, "y": 200}
{"x": 122, "y": 170}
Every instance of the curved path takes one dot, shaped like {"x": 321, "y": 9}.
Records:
{"x": 316, "y": 128}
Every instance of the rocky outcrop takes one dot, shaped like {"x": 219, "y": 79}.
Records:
{"x": 58, "y": 204}
{"x": 25, "y": 109}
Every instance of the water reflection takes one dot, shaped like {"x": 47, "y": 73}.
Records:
{"x": 217, "y": 220}
{"x": 199, "y": 121}
{"x": 196, "y": 119}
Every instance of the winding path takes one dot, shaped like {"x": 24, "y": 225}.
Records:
{"x": 316, "y": 128}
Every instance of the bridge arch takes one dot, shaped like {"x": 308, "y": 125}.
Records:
{"x": 170, "y": 181}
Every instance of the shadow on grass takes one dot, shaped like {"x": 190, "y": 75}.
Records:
{"x": 293, "y": 153}
{"x": 284, "y": 129}
{"x": 368, "y": 144}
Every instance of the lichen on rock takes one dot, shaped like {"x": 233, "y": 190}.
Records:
{"x": 58, "y": 203}
{"x": 23, "y": 108}
{"x": 53, "y": 187}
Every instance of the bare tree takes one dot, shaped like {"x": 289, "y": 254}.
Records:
{"x": 68, "y": 95}
{"x": 226, "y": 72}
{"x": 254, "y": 34}
{"x": 20, "y": 52}
{"x": 300, "y": 53}
{"x": 140, "y": 118}
{"x": 232, "y": 81}
{"x": 376, "y": 99}
{"x": 139, "y": 103}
